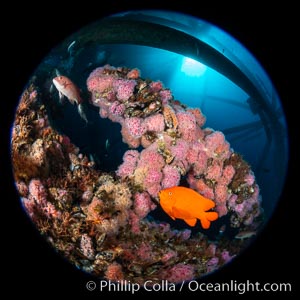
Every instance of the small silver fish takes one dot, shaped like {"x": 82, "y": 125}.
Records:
{"x": 245, "y": 235}
{"x": 57, "y": 73}
{"x": 82, "y": 113}
{"x": 107, "y": 144}
{"x": 70, "y": 47}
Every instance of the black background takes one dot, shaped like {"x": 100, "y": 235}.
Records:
{"x": 29, "y": 265}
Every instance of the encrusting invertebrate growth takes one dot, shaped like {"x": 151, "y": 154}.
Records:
{"x": 155, "y": 217}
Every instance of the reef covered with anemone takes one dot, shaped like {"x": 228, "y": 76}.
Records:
{"x": 109, "y": 223}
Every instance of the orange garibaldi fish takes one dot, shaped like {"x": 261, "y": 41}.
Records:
{"x": 184, "y": 203}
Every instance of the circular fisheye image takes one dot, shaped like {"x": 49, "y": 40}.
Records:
{"x": 149, "y": 146}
